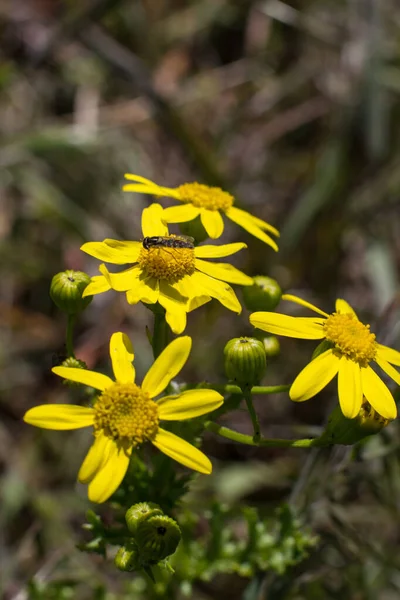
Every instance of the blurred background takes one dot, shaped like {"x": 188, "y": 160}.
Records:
{"x": 292, "y": 106}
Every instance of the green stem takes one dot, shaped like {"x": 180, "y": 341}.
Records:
{"x": 249, "y": 440}
{"x": 70, "y": 335}
{"x": 160, "y": 334}
{"x": 253, "y": 415}
{"x": 235, "y": 389}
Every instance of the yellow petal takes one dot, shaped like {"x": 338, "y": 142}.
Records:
{"x": 223, "y": 271}
{"x": 203, "y": 285}
{"x": 166, "y": 366}
{"x": 95, "y": 458}
{"x": 258, "y": 222}
{"x": 209, "y": 251}
{"x": 196, "y": 302}
{"x": 180, "y": 214}
{"x": 389, "y": 354}
{"x": 123, "y": 281}
{"x": 108, "y": 479}
{"x": 60, "y": 416}
{"x": 182, "y": 451}
{"x": 349, "y": 388}
{"x": 241, "y": 218}
{"x": 130, "y": 248}
{"x": 212, "y": 222}
{"x": 189, "y": 404}
{"x": 344, "y": 308}
{"x": 306, "y": 328}
{"x": 146, "y": 290}
{"x": 98, "y": 284}
{"x": 111, "y": 253}
{"x": 121, "y": 353}
{"x": 297, "y": 300}
{"x": 389, "y": 370}
{"x": 139, "y": 178}
{"x": 315, "y": 376}
{"x": 378, "y": 394}
{"x": 152, "y": 224}
{"x": 145, "y": 186}
{"x": 90, "y": 378}
{"x": 175, "y": 307}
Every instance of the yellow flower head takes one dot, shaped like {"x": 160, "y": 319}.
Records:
{"x": 352, "y": 348}
{"x": 170, "y": 272}
{"x": 208, "y": 202}
{"x": 126, "y": 415}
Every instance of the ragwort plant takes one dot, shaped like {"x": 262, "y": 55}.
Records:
{"x": 152, "y": 534}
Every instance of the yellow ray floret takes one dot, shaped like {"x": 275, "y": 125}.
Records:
{"x": 126, "y": 415}
{"x": 167, "y": 271}
{"x": 208, "y": 203}
{"x": 352, "y": 350}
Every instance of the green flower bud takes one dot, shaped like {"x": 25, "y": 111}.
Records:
{"x": 194, "y": 229}
{"x": 245, "y": 361}
{"x": 157, "y": 537}
{"x": 127, "y": 558}
{"x": 66, "y": 291}
{"x": 272, "y": 346}
{"x": 140, "y": 512}
{"x": 264, "y": 294}
{"x": 340, "y": 430}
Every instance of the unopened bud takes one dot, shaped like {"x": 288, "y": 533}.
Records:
{"x": 340, "y": 430}
{"x": 157, "y": 538}
{"x": 272, "y": 346}
{"x": 66, "y": 291}
{"x": 245, "y": 361}
{"x": 264, "y": 294}
{"x": 127, "y": 558}
{"x": 140, "y": 512}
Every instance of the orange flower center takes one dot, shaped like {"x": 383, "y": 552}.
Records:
{"x": 203, "y": 196}
{"x": 125, "y": 413}
{"x": 351, "y": 338}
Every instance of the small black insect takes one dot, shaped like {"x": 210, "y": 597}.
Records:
{"x": 182, "y": 241}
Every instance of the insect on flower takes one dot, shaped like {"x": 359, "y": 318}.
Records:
{"x": 181, "y": 241}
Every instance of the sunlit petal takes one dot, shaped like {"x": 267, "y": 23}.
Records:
{"x": 241, "y": 218}
{"x": 182, "y": 451}
{"x": 392, "y": 356}
{"x": 152, "y": 224}
{"x": 378, "y": 394}
{"x": 95, "y": 458}
{"x": 146, "y": 289}
{"x": 258, "y": 222}
{"x": 203, "y": 285}
{"x": 306, "y": 328}
{"x": 212, "y": 222}
{"x": 98, "y": 284}
{"x": 121, "y": 353}
{"x": 109, "y": 477}
{"x": 315, "y": 376}
{"x": 111, "y": 252}
{"x": 189, "y": 404}
{"x": 223, "y": 271}
{"x": 90, "y": 378}
{"x": 297, "y": 300}
{"x": 389, "y": 370}
{"x": 59, "y": 416}
{"x": 209, "y": 251}
{"x": 349, "y": 387}
{"x": 344, "y": 308}
{"x": 123, "y": 281}
{"x": 167, "y": 365}
{"x": 180, "y": 214}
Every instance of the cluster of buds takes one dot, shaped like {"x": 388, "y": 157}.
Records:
{"x": 154, "y": 537}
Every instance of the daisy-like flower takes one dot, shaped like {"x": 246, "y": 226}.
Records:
{"x": 208, "y": 202}
{"x": 125, "y": 415}
{"x": 176, "y": 276}
{"x": 351, "y": 349}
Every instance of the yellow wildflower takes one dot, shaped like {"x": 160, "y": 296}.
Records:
{"x": 353, "y": 348}
{"x": 176, "y": 277}
{"x": 208, "y": 202}
{"x": 126, "y": 415}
